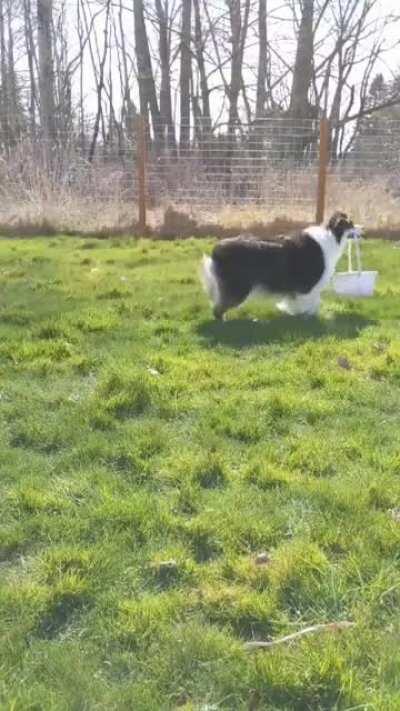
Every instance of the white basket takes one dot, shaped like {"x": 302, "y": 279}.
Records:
{"x": 356, "y": 284}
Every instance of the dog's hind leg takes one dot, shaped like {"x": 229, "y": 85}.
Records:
{"x": 212, "y": 287}
{"x": 231, "y": 295}
{"x": 209, "y": 279}
{"x": 218, "y": 312}
{"x": 224, "y": 294}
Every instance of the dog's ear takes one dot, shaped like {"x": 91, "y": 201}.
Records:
{"x": 339, "y": 224}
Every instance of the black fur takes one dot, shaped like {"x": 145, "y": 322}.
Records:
{"x": 339, "y": 223}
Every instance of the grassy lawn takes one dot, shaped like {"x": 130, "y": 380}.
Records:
{"x": 149, "y": 455}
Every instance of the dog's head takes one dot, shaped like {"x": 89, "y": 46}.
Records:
{"x": 341, "y": 226}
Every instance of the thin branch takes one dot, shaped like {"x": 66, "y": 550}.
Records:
{"x": 330, "y": 627}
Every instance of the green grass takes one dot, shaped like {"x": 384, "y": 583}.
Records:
{"x": 149, "y": 454}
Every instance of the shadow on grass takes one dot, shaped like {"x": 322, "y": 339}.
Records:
{"x": 244, "y": 333}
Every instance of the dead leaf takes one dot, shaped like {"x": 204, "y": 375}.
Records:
{"x": 263, "y": 558}
{"x": 395, "y": 514}
{"x": 344, "y": 363}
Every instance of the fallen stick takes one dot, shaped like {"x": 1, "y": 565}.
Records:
{"x": 330, "y": 626}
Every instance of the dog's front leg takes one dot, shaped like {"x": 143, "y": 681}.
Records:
{"x": 287, "y": 306}
{"x": 301, "y": 305}
{"x": 308, "y": 305}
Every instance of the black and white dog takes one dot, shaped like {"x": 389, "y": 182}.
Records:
{"x": 295, "y": 268}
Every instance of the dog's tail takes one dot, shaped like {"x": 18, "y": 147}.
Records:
{"x": 210, "y": 280}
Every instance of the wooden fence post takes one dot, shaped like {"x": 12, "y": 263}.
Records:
{"x": 141, "y": 159}
{"x": 324, "y": 148}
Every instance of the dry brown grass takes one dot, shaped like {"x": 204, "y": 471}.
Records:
{"x": 97, "y": 218}
{"x": 98, "y": 201}
{"x": 370, "y": 202}
{"x": 67, "y": 215}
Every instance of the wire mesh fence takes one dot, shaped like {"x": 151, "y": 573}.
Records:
{"x": 262, "y": 164}
{"x": 256, "y": 172}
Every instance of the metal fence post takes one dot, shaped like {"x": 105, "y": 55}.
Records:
{"x": 141, "y": 158}
{"x": 324, "y": 147}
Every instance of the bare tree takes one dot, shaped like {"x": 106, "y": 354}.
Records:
{"x": 239, "y": 27}
{"x": 200, "y": 44}
{"x": 3, "y": 75}
{"x": 30, "y": 48}
{"x": 218, "y": 66}
{"x": 164, "y": 19}
{"x": 262, "y": 59}
{"x": 185, "y": 74}
{"x": 147, "y": 87}
{"x": 348, "y": 38}
{"x": 46, "y": 69}
{"x": 300, "y": 106}
{"x": 101, "y": 81}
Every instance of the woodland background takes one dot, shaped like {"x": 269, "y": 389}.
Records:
{"x": 231, "y": 93}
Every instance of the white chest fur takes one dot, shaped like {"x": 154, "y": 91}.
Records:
{"x": 331, "y": 249}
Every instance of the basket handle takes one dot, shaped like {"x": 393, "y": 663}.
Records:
{"x": 358, "y": 255}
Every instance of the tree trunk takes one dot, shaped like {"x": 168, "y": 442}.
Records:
{"x": 147, "y": 89}
{"x": 46, "y": 70}
{"x": 165, "y": 65}
{"x": 31, "y": 54}
{"x": 131, "y": 113}
{"x": 303, "y": 68}
{"x": 199, "y": 46}
{"x": 262, "y": 59}
{"x": 238, "y": 38}
{"x": 186, "y": 64}
{"x": 100, "y": 84}
{"x": 14, "y": 106}
{"x": 80, "y": 31}
{"x": 4, "y": 106}
{"x": 236, "y": 63}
